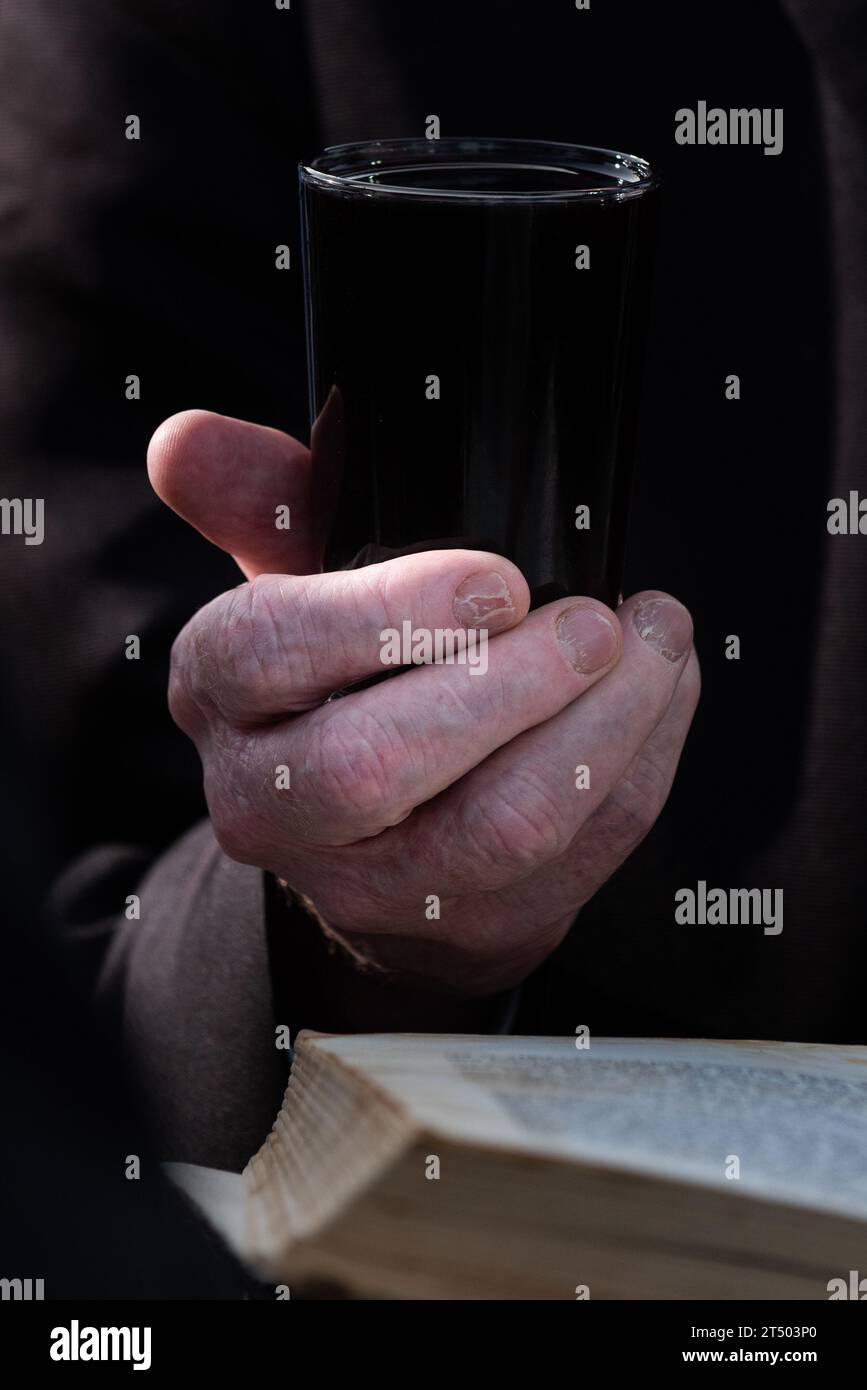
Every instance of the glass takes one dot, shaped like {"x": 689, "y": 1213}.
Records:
{"x": 476, "y": 315}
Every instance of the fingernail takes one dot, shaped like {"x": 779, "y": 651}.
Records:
{"x": 665, "y": 625}
{"x": 587, "y": 637}
{"x": 484, "y": 600}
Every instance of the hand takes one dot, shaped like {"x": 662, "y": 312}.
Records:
{"x": 440, "y": 783}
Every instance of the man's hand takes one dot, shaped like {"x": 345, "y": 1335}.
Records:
{"x": 438, "y": 783}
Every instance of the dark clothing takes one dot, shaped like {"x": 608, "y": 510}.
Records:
{"x": 156, "y": 257}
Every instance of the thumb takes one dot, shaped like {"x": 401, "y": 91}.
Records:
{"x": 246, "y": 487}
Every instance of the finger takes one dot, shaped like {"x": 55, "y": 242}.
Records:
{"x": 526, "y": 804}
{"x": 245, "y": 487}
{"x": 282, "y": 644}
{"x": 615, "y": 829}
{"x": 364, "y": 763}
{"x": 521, "y": 809}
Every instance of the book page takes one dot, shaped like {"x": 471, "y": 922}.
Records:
{"x": 789, "y": 1120}
{"x": 219, "y": 1197}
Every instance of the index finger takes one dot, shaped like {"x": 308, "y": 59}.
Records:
{"x": 283, "y": 643}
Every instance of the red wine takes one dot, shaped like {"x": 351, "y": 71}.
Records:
{"x": 476, "y": 371}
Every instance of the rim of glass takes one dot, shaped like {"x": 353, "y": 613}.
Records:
{"x": 346, "y": 169}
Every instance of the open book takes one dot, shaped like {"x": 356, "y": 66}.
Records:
{"x": 428, "y": 1166}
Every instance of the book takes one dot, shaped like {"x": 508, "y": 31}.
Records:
{"x": 464, "y": 1167}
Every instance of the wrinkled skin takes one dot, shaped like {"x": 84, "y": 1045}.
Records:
{"x": 436, "y": 781}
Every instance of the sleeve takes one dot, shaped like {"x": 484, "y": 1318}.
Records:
{"x": 184, "y": 983}
{"x": 204, "y": 975}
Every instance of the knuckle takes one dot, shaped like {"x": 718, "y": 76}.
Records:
{"x": 205, "y": 657}
{"x": 185, "y": 707}
{"x": 519, "y": 827}
{"x": 273, "y": 640}
{"x": 228, "y": 652}
{"x": 239, "y": 806}
{"x": 245, "y": 643}
{"x": 241, "y": 833}
{"x": 355, "y": 767}
{"x": 230, "y": 827}
{"x": 233, "y": 837}
{"x": 193, "y": 681}
{"x": 638, "y": 798}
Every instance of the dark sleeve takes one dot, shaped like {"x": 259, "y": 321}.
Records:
{"x": 202, "y": 969}
{"x": 184, "y": 983}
